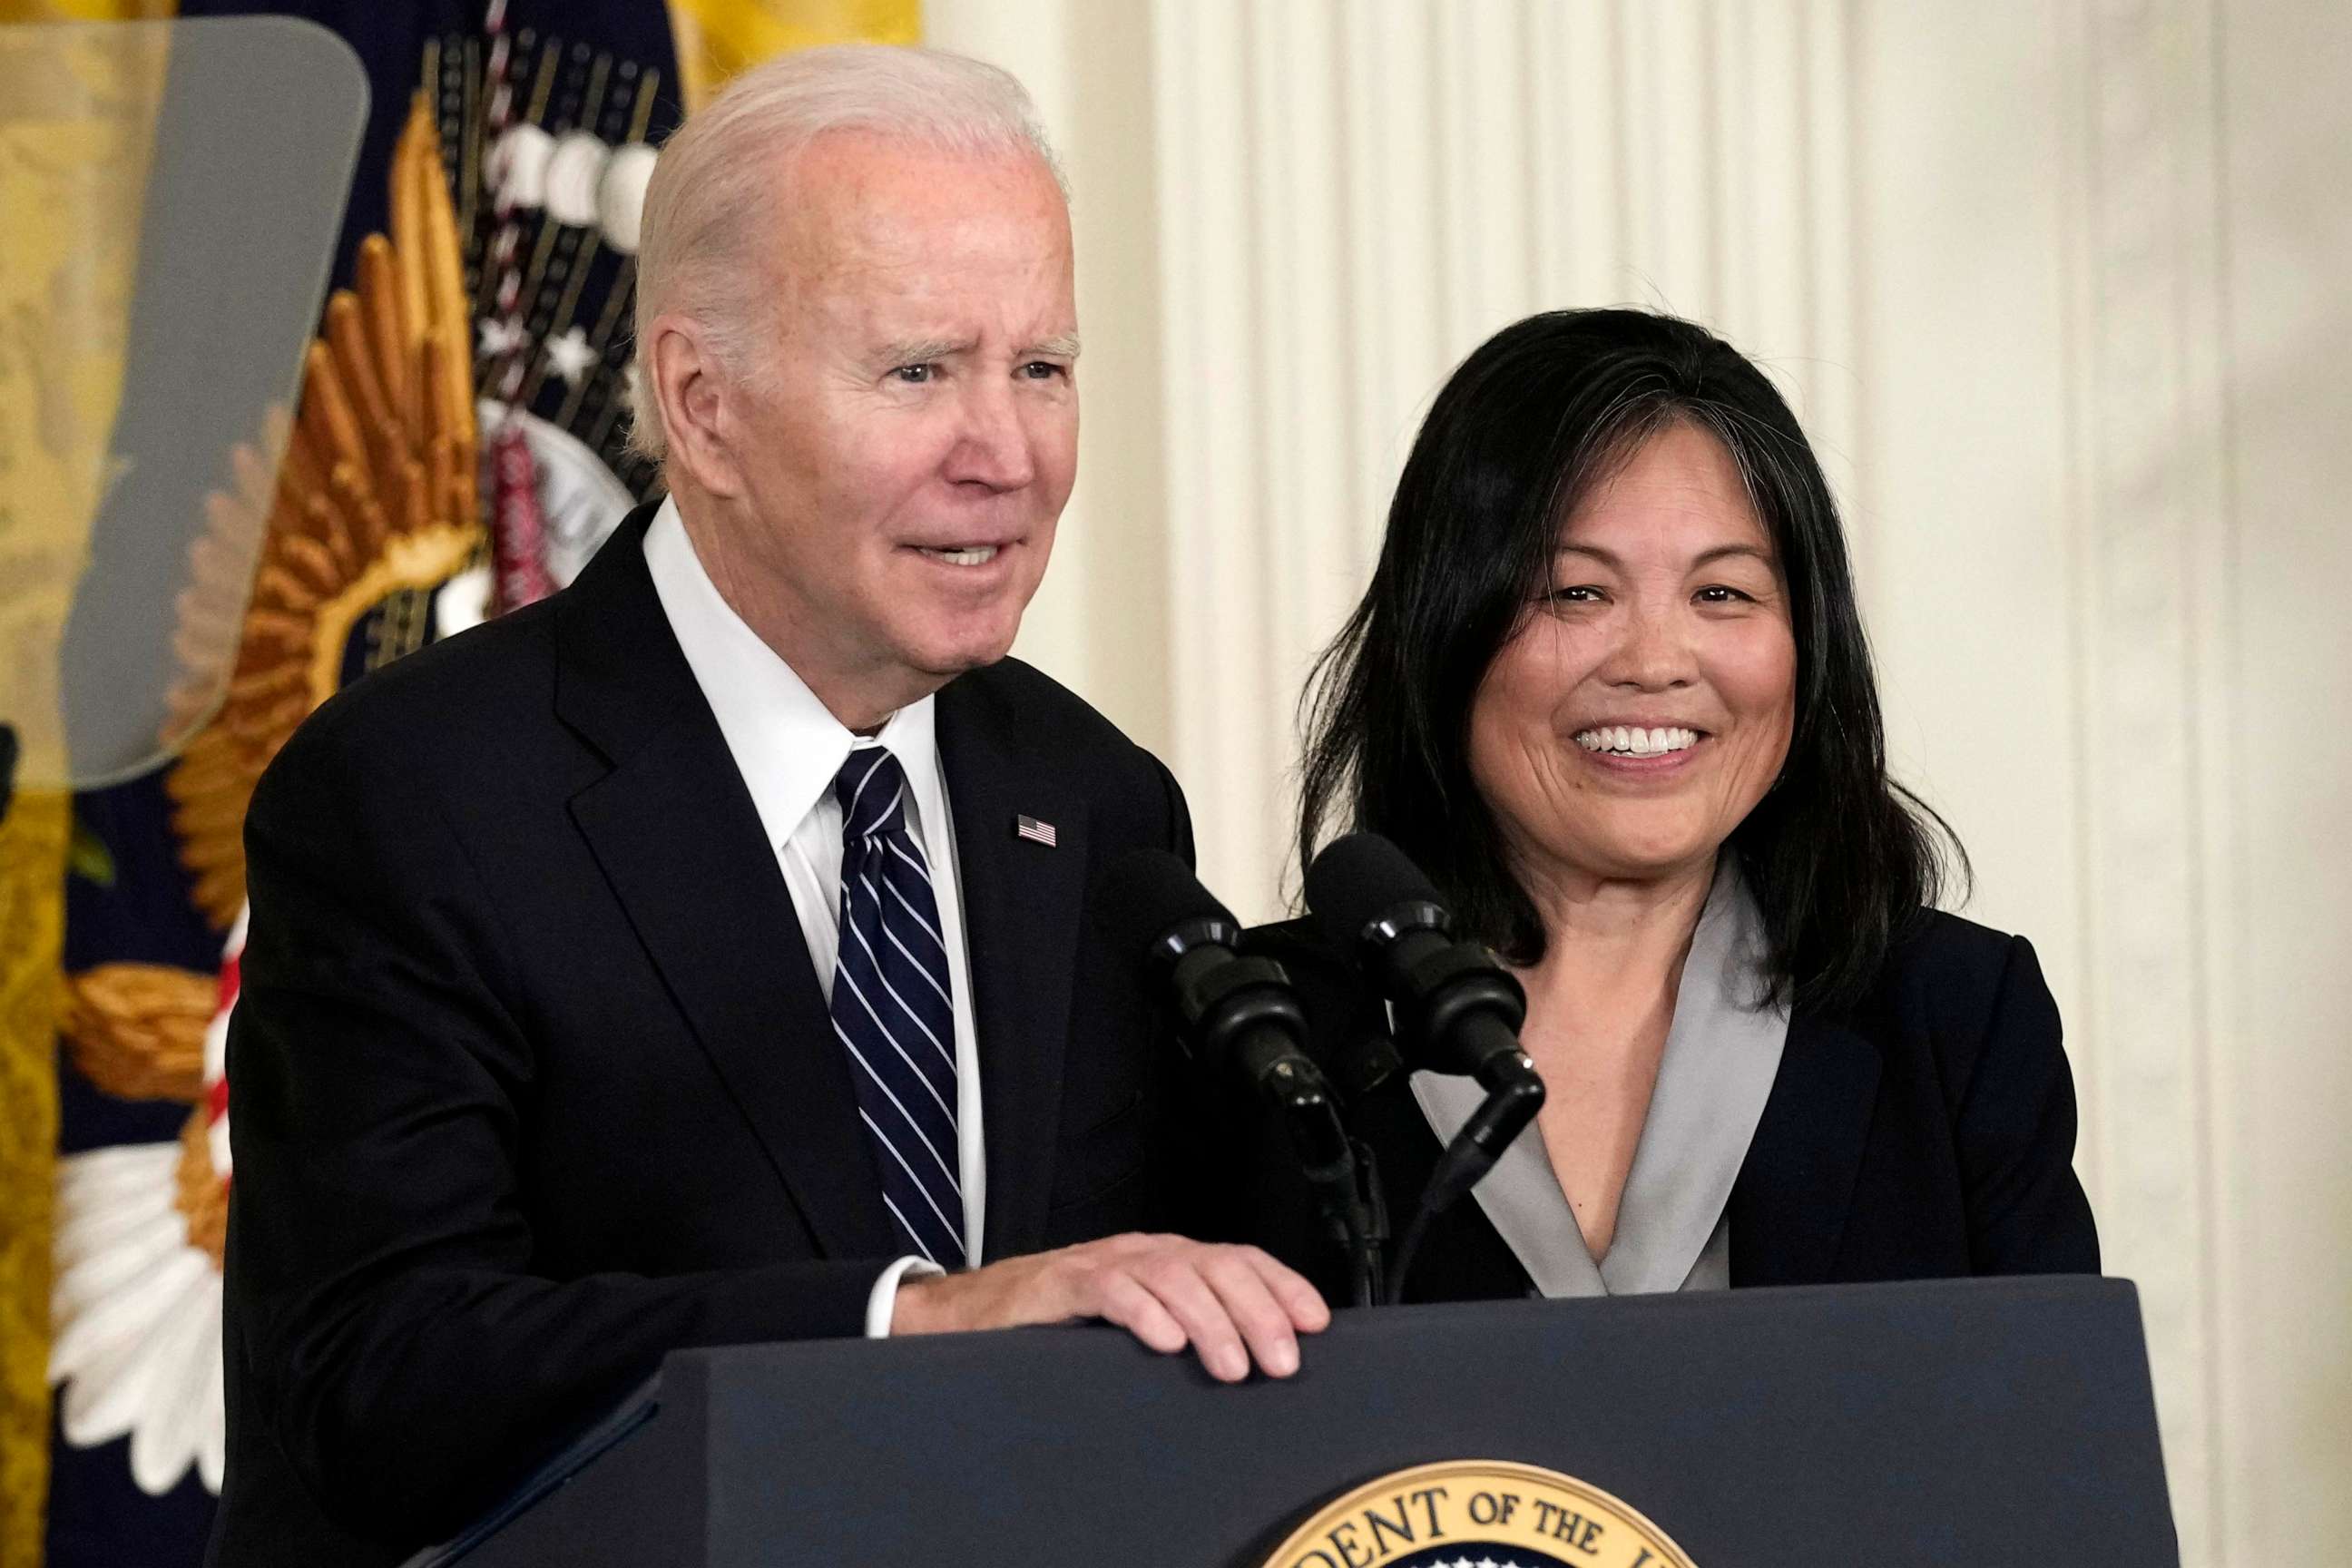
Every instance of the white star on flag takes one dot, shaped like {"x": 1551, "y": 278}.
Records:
{"x": 501, "y": 337}
{"x": 570, "y": 355}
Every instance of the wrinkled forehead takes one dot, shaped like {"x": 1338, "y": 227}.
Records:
{"x": 861, "y": 199}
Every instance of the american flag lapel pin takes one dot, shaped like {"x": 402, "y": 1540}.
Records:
{"x": 1034, "y": 831}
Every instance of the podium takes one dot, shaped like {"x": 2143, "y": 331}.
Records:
{"x": 1975, "y": 1422}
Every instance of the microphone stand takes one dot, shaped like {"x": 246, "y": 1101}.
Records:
{"x": 1244, "y": 1010}
{"x": 1345, "y": 1179}
{"x": 1369, "y": 1232}
{"x": 1456, "y": 988}
{"x": 1513, "y": 1098}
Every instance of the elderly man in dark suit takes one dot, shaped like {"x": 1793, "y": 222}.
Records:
{"x": 697, "y": 958}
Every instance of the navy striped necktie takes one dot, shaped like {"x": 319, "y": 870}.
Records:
{"x": 890, "y": 1007}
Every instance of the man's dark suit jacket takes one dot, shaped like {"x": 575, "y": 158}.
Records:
{"x": 533, "y": 1079}
{"x": 1928, "y": 1132}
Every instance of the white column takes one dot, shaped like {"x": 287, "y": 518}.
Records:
{"x": 2148, "y": 454}
{"x": 2273, "y": 776}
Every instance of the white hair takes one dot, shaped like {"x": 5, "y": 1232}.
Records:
{"x": 714, "y": 188}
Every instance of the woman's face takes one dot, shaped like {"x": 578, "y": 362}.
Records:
{"x": 1645, "y": 704}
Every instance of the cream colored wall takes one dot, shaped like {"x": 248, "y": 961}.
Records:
{"x": 2281, "y": 770}
{"x": 2060, "y": 291}
{"x": 1101, "y": 622}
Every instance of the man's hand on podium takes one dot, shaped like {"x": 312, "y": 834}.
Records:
{"x": 1234, "y": 1305}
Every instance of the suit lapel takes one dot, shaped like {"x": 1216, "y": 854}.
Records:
{"x": 1021, "y": 908}
{"x": 680, "y": 843}
{"x": 1788, "y": 1207}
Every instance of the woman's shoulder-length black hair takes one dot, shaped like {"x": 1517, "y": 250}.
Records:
{"x": 1840, "y": 859}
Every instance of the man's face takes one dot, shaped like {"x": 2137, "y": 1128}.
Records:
{"x": 909, "y": 434}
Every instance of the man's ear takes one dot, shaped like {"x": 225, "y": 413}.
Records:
{"x": 692, "y": 389}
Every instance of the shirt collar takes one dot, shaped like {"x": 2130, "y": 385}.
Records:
{"x": 786, "y": 743}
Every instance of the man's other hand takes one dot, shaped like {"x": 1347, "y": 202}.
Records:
{"x": 1234, "y": 1305}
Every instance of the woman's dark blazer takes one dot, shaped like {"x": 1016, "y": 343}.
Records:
{"x": 1926, "y": 1132}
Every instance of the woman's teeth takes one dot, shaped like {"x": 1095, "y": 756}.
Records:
{"x": 1617, "y": 739}
{"x": 973, "y": 555}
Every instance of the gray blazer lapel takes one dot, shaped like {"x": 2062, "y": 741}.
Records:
{"x": 1520, "y": 1195}
{"x": 1722, "y": 1054}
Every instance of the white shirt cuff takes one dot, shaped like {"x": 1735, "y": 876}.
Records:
{"x": 885, "y": 1298}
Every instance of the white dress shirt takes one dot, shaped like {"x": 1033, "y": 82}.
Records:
{"x": 788, "y": 746}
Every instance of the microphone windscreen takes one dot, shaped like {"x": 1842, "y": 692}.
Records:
{"x": 1143, "y": 895}
{"x": 1356, "y": 880}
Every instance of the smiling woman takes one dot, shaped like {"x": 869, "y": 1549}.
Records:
{"x": 1660, "y": 645}
{"x": 1609, "y": 686}
{"x": 1572, "y": 473}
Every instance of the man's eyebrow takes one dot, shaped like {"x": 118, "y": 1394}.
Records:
{"x": 922, "y": 350}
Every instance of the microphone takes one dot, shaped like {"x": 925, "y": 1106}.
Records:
{"x": 1242, "y": 1015}
{"x": 1458, "y": 1009}
{"x": 1238, "y": 1014}
{"x": 1454, "y": 1001}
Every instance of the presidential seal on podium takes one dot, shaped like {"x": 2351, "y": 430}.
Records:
{"x": 1473, "y": 1513}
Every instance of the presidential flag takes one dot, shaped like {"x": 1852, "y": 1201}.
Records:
{"x": 470, "y": 374}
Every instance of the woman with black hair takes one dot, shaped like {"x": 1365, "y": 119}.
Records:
{"x": 1609, "y": 688}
